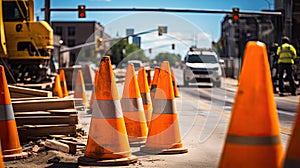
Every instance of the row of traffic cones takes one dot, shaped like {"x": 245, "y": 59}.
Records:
{"x": 117, "y": 123}
{"x": 253, "y": 137}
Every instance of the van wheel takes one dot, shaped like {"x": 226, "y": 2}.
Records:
{"x": 217, "y": 84}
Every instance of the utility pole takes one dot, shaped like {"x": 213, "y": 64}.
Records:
{"x": 47, "y": 11}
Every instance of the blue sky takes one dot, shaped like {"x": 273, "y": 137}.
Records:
{"x": 184, "y": 29}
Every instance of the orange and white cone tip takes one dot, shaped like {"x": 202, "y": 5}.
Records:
{"x": 107, "y": 140}
{"x": 57, "y": 87}
{"x": 80, "y": 89}
{"x": 253, "y": 137}
{"x": 63, "y": 83}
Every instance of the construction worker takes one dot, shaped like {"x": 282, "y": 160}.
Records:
{"x": 286, "y": 53}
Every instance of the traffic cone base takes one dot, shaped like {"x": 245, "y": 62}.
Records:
{"x": 267, "y": 154}
{"x": 112, "y": 162}
{"x": 21, "y": 155}
{"x": 134, "y": 120}
{"x": 177, "y": 150}
{"x": 97, "y": 144}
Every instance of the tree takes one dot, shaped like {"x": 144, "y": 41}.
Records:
{"x": 133, "y": 52}
{"x": 121, "y": 52}
{"x": 165, "y": 56}
{"x": 116, "y": 52}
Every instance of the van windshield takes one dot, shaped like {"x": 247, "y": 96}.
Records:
{"x": 202, "y": 59}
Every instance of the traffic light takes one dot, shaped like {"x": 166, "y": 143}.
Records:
{"x": 99, "y": 44}
{"x": 161, "y": 30}
{"x": 81, "y": 11}
{"x": 150, "y": 50}
{"x": 173, "y": 46}
{"x": 235, "y": 14}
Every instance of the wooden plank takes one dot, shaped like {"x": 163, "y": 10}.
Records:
{"x": 63, "y": 111}
{"x": 33, "y": 131}
{"x": 42, "y": 105}
{"x": 46, "y": 85}
{"x": 32, "y": 98}
{"x": 33, "y": 113}
{"x": 47, "y": 120}
{"x": 18, "y": 92}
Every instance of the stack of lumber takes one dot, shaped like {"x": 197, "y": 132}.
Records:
{"x": 44, "y": 115}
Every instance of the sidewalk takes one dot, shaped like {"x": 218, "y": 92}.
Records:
{"x": 231, "y": 84}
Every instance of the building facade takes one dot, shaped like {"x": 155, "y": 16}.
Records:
{"x": 290, "y": 19}
{"x": 235, "y": 35}
{"x": 81, "y": 33}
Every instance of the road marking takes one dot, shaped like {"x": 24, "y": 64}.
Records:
{"x": 284, "y": 130}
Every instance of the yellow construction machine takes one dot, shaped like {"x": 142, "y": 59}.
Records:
{"x": 26, "y": 44}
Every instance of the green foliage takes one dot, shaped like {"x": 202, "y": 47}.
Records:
{"x": 165, "y": 56}
{"x": 121, "y": 51}
{"x": 116, "y": 50}
{"x": 133, "y": 52}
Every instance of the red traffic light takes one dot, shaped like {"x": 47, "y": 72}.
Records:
{"x": 81, "y": 11}
{"x": 235, "y": 17}
{"x": 235, "y": 14}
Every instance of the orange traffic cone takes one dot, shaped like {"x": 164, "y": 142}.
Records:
{"x": 292, "y": 159}
{"x": 107, "y": 141}
{"x": 253, "y": 137}
{"x": 93, "y": 91}
{"x": 164, "y": 136}
{"x": 87, "y": 75}
{"x": 145, "y": 93}
{"x": 80, "y": 89}
{"x": 149, "y": 78}
{"x": 133, "y": 110}
{"x": 57, "y": 90}
{"x": 1, "y": 158}
{"x": 10, "y": 142}
{"x": 63, "y": 83}
{"x": 176, "y": 92}
{"x": 154, "y": 83}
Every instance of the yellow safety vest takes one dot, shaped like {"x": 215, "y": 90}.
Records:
{"x": 286, "y": 53}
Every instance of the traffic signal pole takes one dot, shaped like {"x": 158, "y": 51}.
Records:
{"x": 47, "y": 11}
{"x": 163, "y": 10}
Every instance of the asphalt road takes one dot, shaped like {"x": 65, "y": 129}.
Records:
{"x": 204, "y": 114}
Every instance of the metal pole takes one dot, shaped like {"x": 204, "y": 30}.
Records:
{"x": 47, "y": 11}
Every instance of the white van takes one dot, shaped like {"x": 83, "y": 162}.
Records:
{"x": 136, "y": 63}
{"x": 202, "y": 65}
